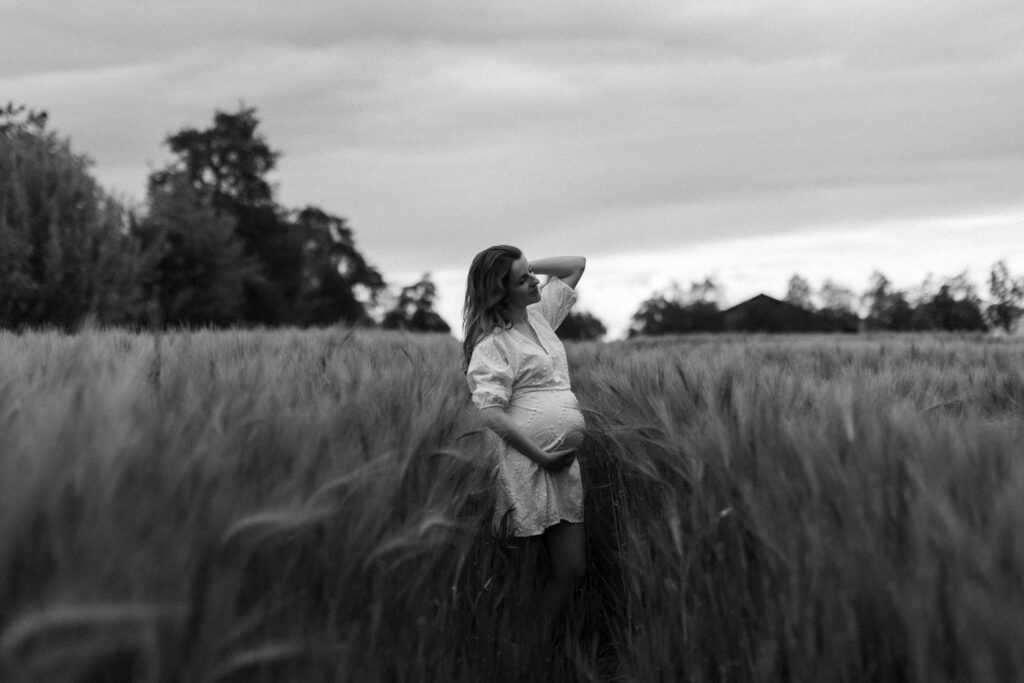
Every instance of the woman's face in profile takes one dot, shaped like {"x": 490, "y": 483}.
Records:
{"x": 523, "y": 285}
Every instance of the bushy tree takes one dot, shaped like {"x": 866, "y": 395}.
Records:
{"x": 337, "y": 284}
{"x": 952, "y": 305}
{"x": 197, "y": 269}
{"x": 414, "y": 309}
{"x": 798, "y": 292}
{"x": 676, "y": 312}
{"x": 888, "y": 308}
{"x": 64, "y": 251}
{"x": 838, "y": 303}
{"x": 1007, "y": 294}
{"x": 581, "y": 326}
{"x": 707, "y": 291}
{"x": 227, "y": 163}
{"x": 955, "y": 306}
{"x": 307, "y": 270}
{"x": 837, "y": 299}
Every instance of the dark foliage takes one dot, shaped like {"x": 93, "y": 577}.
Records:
{"x": 228, "y": 161}
{"x": 659, "y": 315}
{"x": 888, "y": 308}
{"x": 199, "y": 270}
{"x": 798, "y": 292}
{"x": 297, "y": 268}
{"x": 945, "y": 311}
{"x": 1007, "y": 297}
{"x": 954, "y": 306}
{"x": 677, "y": 312}
{"x": 64, "y": 253}
{"x": 581, "y": 326}
{"x": 336, "y": 282}
{"x": 414, "y": 309}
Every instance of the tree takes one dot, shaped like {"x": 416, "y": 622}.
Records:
{"x": 198, "y": 267}
{"x": 227, "y": 163}
{"x": 838, "y": 303}
{"x": 1007, "y": 296}
{"x": 836, "y": 298}
{"x": 414, "y": 309}
{"x": 581, "y": 326}
{"x": 888, "y": 308}
{"x": 308, "y": 271}
{"x": 64, "y": 250}
{"x": 954, "y": 307}
{"x": 798, "y": 293}
{"x": 337, "y": 284}
{"x": 706, "y": 291}
{"x": 676, "y": 312}
{"x": 226, "y": 167}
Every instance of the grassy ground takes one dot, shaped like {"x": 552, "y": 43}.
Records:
{"x": 315, "y": 505}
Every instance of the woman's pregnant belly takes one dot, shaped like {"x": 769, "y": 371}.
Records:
{"x": 552, "y": 419}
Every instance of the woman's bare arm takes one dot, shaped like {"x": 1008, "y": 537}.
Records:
{"x": 502, "y": 425}
{"x": 569, "y": 269}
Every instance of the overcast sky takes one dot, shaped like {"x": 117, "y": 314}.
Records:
{"x": 664, "y": 140}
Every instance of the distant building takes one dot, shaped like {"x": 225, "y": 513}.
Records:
{"x": 765, "y": 314}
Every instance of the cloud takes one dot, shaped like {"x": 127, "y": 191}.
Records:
{"x": 872, "y": 32}
{"x": 651, "y": 127}
{"x": 907, "y": 252}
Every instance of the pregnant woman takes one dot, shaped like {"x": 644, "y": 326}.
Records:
{"x": 519, "y": 379}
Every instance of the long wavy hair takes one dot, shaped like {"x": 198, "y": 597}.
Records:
{"x": 486, "y": 304}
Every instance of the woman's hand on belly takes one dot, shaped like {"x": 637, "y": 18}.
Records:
{"x": 495, "y": 418}
{"x": 558, "y": 460}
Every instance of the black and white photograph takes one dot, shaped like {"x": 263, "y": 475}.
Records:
{"x": 534, "y": 341}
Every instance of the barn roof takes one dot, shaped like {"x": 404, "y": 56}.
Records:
{"x": 763, "y": 313}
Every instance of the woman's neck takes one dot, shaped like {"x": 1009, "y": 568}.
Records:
{"x": 517, "y": 315}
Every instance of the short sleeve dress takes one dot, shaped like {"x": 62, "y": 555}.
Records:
{"x": 531, "y": 383}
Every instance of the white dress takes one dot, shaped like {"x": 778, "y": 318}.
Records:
{"x": 531, "y": 383}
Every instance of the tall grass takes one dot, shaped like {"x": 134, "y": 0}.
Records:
{"x": 316, "y": 506}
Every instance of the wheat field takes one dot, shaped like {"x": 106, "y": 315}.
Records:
{"x": 315, "y": 506}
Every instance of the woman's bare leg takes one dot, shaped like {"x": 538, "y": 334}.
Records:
{"x": 566, "y": 544}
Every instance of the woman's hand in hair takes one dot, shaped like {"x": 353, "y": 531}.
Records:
{"x": 568, "y": 269}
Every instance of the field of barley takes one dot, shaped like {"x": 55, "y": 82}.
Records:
{"x": 314, "y": 506}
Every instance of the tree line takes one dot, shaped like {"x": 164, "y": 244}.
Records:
{"x": 211, "y": 247}
{"x": 948, "y": 304}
